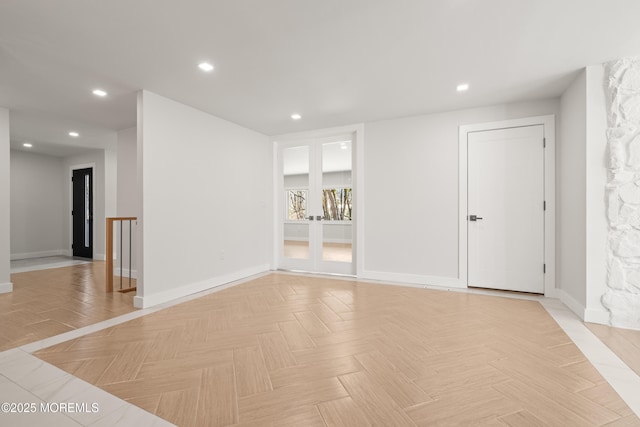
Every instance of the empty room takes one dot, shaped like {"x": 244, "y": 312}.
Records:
{"x": 336, "y": 213}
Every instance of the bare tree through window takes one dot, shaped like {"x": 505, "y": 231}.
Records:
{"x": 336, "y": 204}
{"x": 296, "y": 204}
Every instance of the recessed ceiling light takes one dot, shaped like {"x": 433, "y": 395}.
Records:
{"x": 205, "y": 66}
{"x": 296, "y": 116}
{"x": 462, "y": 87}
{"x": 74, "y": 134}
{"x": 343, "y": 147}
{"x": 99, "y": 92}
{"x": 27, "y": 144}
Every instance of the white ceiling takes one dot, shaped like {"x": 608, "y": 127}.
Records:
{"x": 335, "y": 62}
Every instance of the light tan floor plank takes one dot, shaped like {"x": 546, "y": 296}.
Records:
{"x": 404, "y": 392}
{"x": 276, "y": 352}
{"x": 464, "y": 408}
{"x": 251, "y": 371}
{"x": 548, "y": 410}
{"x": 379, "y": 408}
{"x": 126, "y": 365}
{"x": 180, "y": 407}
{"x": 195, "y": 360}
{"x": 301, "y": 374}
{"x": 312, "y": 324}
{"x": 303, "y": 416}
{"x": 521, "y": 418}
{"x": 343, "y": 413}
{"x": 287, "y": 398}
{"x": 217, "y": 399}
{"x": 296, "y": 336}
{"x": 543, "y": 384}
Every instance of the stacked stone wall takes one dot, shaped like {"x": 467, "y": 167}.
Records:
{"x": 622, "y": 297}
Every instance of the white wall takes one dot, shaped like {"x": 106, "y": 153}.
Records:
{"x": 5, "y": 203}
{"x": 582, "y": 178}
{"x": 571, "y": 194}
{"x": 127, "y": 172}
{"x": 38, "y": 211}
{"x": 206, "y": 200}
{"x": 110, "y": 183}
{"x": 596, "y": 221}
{"x": 414, "y": 161}
{"x": 127, "y": 199}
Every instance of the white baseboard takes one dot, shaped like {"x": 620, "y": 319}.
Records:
{"x": 301, "y": 239}
{"x": 6, "y": 287}
{"x": 570, "y": 302}
{"x": 99, "y": 257}
{"x": 603, "y": 317}
{"x": 552, "y": 292}
{"x": 414, "y": 279}
{"x": 192, "y": 288}
{"x": 39, "y": 254}
{"x": 600, "y": 316}
{"x": 340, "y": 241}
{"x": 125, "y": 272}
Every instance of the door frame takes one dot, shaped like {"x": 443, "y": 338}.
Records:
{"x": 357, "y": 180}
{"x": 93, "y": 185}
{"x": 548, "y": 123}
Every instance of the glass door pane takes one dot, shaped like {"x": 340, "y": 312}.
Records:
{"x": 296, "y": 203}
{"x": 337, "y": 202}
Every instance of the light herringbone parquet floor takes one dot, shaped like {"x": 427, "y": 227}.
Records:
{"x": 49, "y": 302}
{"x": 286, "y": 350}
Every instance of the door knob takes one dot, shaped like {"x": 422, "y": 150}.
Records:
{"x": 310, "y": 217}
{"x": 318, "y": 218}
{"x": 474, "y": 218}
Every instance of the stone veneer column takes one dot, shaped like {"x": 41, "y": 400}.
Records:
{"x": 622, "y": 297}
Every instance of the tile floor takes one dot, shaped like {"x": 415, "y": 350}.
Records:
{"x": 27, "y": 379}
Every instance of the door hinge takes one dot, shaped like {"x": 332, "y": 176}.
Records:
{"x": 544, "y": 205}
{"x": 544, "y": 268}
{"x": 72, "y": 246}
{"x": 71, "y": 213}
{"x": 544, "y": 142}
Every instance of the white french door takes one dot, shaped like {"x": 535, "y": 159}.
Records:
{"x": 506, "y": 209}
{"x": 316, "y": 206}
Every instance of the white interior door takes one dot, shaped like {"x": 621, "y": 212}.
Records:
{"x": 316, "y": 216}
{"x": 505, "y": 209}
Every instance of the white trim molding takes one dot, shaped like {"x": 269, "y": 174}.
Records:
{"x": 403, "y": 279}
{"x": 192, "y": 288}
{"x": 548, "y": 123}
{"x": 570, "y": 302}
{"x": 5, "y": 288}
{"x": 40, "y": 254}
